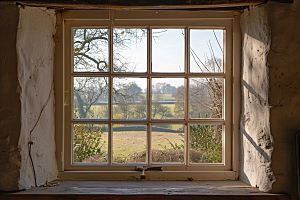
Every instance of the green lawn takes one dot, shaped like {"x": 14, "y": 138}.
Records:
{"x": 125, "y": 144}
{"x": 101, "y": 111}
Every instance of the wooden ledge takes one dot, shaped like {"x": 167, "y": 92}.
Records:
{"x": 80, "y": 190}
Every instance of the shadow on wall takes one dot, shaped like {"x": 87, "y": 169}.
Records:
{"x": 257, "y": 147}
{"x": 258, "y": 96}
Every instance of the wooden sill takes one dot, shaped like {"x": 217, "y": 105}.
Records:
{"x": 80, "y": 190}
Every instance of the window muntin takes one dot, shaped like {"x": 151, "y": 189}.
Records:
{"x": 150, "y": 75}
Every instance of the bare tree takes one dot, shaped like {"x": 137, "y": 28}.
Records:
{"x": 125, "y": 94}
{"x": 91, "y": 55}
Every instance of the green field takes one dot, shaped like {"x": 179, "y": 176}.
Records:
{"x": 101, "y": 111}
{"x": 126, "y": 144}
{"x": 129, "y": 146}
{"x": 129, "y": 143}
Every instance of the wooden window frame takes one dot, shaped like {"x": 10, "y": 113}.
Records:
{"x": 228, "y": 21}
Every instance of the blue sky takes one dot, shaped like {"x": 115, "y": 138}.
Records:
{"x": 168, "y": 51}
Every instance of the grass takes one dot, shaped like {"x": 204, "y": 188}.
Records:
{"x": 126, "y": 144}
{"x": 98, "y": 111}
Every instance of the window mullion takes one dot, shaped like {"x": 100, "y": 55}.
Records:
{"x": 186, "y": 91}
{"x": 149, "y": 95}
{"x": 110, "y": 83}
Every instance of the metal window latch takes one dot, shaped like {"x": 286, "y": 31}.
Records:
{"x": 143, "y": 169}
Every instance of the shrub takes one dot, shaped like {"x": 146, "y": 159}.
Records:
{"x": 205, "y": 144}
{"x": 87, "y": 141}
{"x": 205, "y": 140}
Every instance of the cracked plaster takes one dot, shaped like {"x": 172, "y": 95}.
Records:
{"x": 35, "y": 50}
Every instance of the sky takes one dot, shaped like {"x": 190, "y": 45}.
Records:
{"x": 168, "y": 51}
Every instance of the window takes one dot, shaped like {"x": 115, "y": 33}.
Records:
{"x": 149, "y": 88}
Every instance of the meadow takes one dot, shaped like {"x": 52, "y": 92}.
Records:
{"x": 130, "y": 143}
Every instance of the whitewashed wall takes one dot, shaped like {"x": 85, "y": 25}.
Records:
{"x": 35, "y": 50}
{"x": 271, "y": 96}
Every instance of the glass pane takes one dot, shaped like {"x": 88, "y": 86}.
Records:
{"x": 206, "y": 97}
{"x": 90, "y": 97}
{"x": 90, "y": 143}
{"x": 168, "y": 50}
{"x": 167, "y": 98}
{"x": 167, "y": 143}
{"x": 129, "y": 143}
{"x": 205, "y": 143}
{"x": 206, "y": 50}
{"x": 90, "y": 50}
{"x": 130, "y": 50}
{"x": 130, "y": 98}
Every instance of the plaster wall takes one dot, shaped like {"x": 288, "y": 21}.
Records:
{"x": 271, "y": 112}
{"x": 10, "y": 104}
{"x": 35, "y": 52}
{"x": 257, "y": 141}
{"x": 284, "y": 93}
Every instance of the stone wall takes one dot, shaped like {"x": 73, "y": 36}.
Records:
{"x": 284, "y": 94}
{"x": 35, "y": 50}
{"x": 10, "y": 104}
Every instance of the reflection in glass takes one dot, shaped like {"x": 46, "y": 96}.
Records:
{"x": 206, "y": 50}
{"x": 130, "y": 98}
{"x": 206, "y": 97}
{"x": 167, "y": 143}
{"x": 130, "y": 50}
{"x": 90, "y": 97}
{"x": 168, "y": 50}
{"x": 205, "y": 143}
{"x": 90, "y": 143}
{"x": 90, "y": 51}
{"x": 167, "y": 98}
{"x": 129, "y": 143}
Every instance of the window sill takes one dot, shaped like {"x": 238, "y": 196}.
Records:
{"x": 150, "y": 175}
{"x": 146, "y": 190}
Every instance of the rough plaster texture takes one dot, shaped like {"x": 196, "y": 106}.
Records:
{"x": 271, "y": 68}
{"x": 257, "y": 141}
{"x": 284, "y": 94}
{"x": 10, "y": 104}
{"x": 35, "y": 50}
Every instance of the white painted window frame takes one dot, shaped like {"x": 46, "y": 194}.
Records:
{"x": 228, "y": 21}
